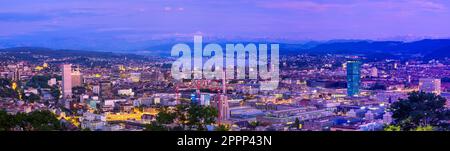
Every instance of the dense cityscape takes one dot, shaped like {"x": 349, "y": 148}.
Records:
{"x": 253, "y": 66}
{"x": 43, "y": 89}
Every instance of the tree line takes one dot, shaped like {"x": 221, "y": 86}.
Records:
{"x": 33, "y": 121}
{"x": 185, "y": 117}
{"x": 420, "y": 112}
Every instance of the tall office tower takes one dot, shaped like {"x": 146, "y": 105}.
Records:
{"x": 77, "y": 79}
{"x": 67, "y": 80}
{"x": 353, "y": 78}
{"x": 430, "y": 85}
{"x": 106, "y": 90}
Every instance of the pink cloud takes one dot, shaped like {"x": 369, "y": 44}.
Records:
{"x": 429, "y": 5}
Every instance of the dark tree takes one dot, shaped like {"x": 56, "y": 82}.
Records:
{"x": 181, "y": 114}
{"x": 209, "y": 115}
{"x": 79, "y": 90}
{"x": 193, "y": 116}
{"x": 34, "y": 121}
{"x": 6, "y": 90}
{"x": 56, "y": 93}
{"x": 420, "y": 109}
{"x": 297, "y": 123}
{"x": 39, "y": 81}
{"x": 222, "y": 128}
{"x": 165, "y": 116}
{"x": 31, "y": 97}
{"x": 43, "y": 121}
{"x": 154, "y": 126}
{"x": 6, "y": 122}
{"x": 200, "y": 116}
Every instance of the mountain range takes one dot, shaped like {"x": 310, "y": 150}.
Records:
{"x": 430, "y": 48}
{"x": 434, "y": 48}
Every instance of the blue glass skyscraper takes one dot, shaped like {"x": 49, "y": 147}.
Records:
{"x": 353, "y": 77}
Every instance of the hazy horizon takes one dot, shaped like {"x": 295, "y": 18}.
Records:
{"x": 137, "y": 25}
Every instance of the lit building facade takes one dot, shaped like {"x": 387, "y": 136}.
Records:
{"x": 67, "y": 80}
{"x": 135, "y": 77}
{"x": 106, "y": 90}
{"x": 77, "y": 79}
{"x": 430, "y": 85}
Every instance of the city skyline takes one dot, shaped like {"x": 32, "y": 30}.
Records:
{"x": 102, "y": 91}
{"x": 122, "y": 25}
{"x": 231, "y": 74}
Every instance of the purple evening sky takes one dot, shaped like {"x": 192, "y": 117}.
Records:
{"x": 101, "y": 23}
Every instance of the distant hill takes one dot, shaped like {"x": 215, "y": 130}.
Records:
{"x": 426, "y": 47}
{"x": 430, "y": 48}
{"x": 20, "y": 51}
{"x": 440, "y": 53}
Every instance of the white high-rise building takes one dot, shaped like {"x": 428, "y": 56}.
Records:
{"x": 67, "y": 80}
{"x": 52, "y": 82}
{"x": 96, "y": 89}
{"x": 374, "y": 72}
{"x": 430, "y": 85}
